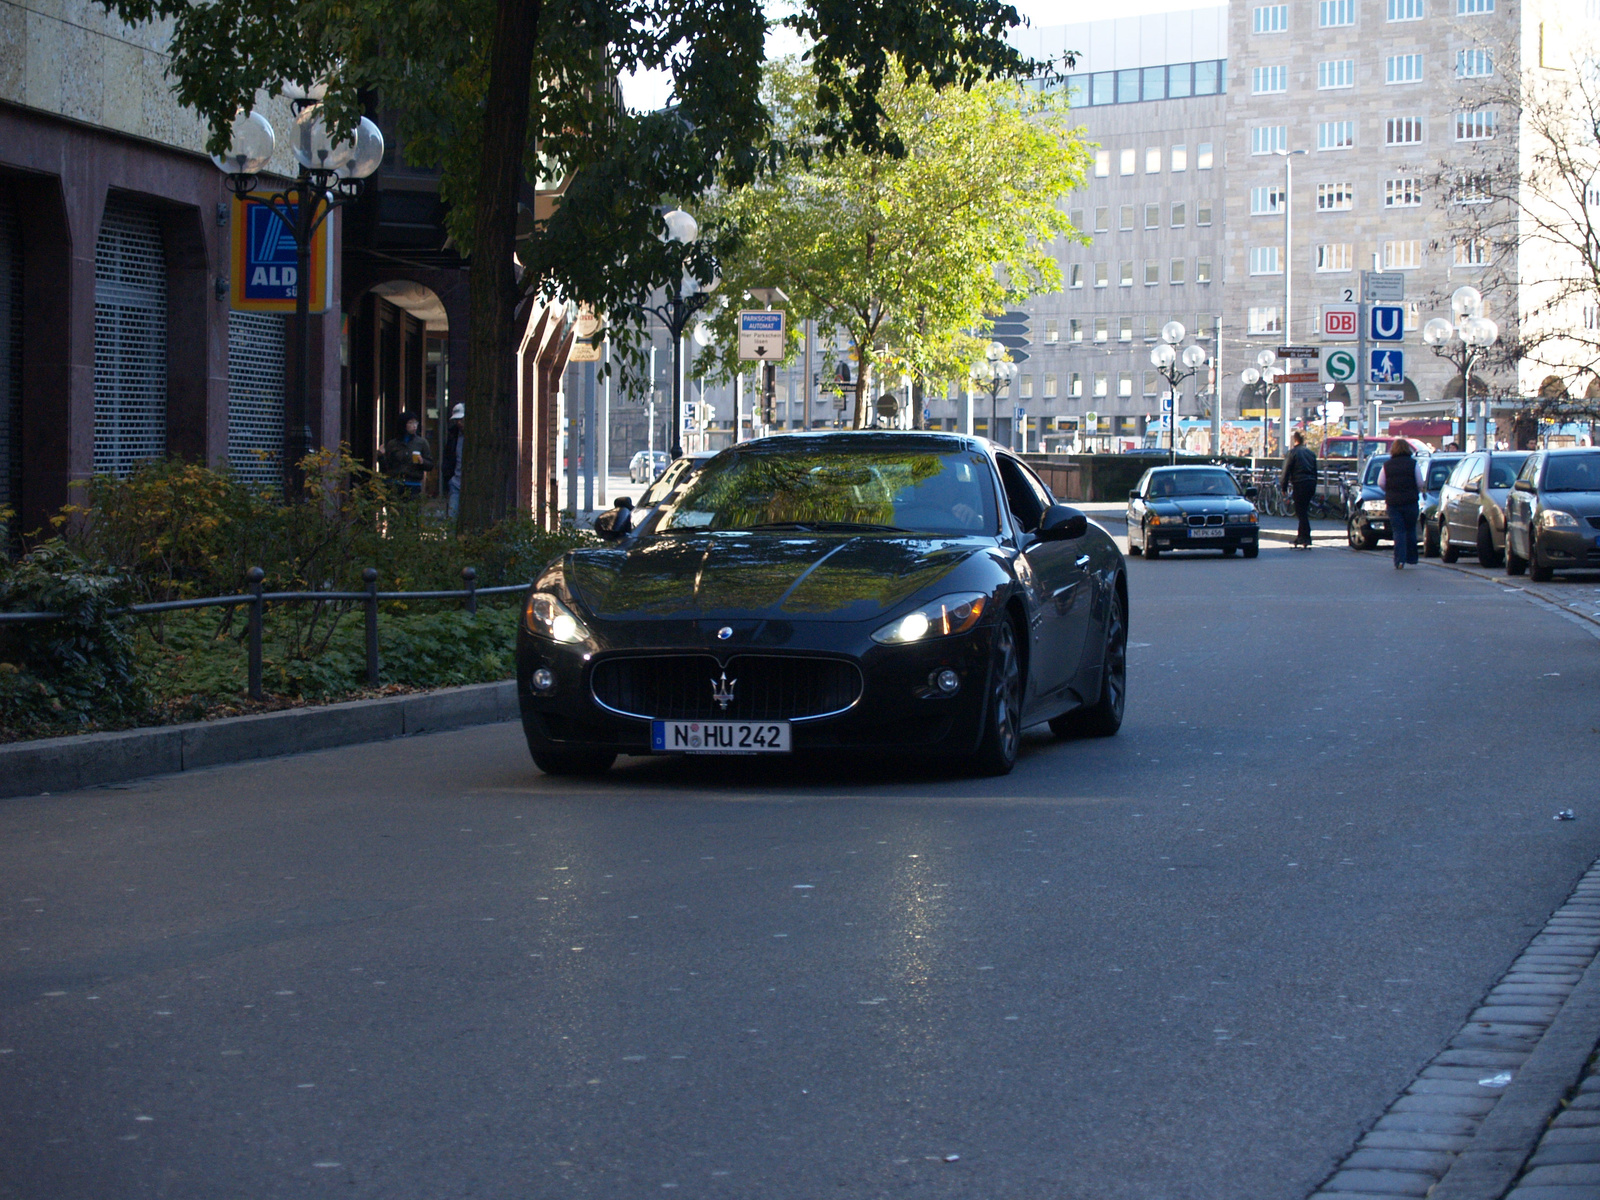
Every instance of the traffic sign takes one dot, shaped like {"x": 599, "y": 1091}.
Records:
{"x": 1340, "y": 322}
{"x": 1386, "y": 323}
{"x": 1387, "y": 366}
{"x": 1299, "y": 351}
{"x": 1166, "y": 403}
{"x": 1091, "y": 420}
{"x": 1385, "y": 395}
{"x": 1339, "y": 366}
{"x": 1297, "y": 377}
{"x": 761, "y": 335}
{"x": 1383, "y": 287}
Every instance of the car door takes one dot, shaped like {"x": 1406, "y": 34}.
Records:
{"x": 1136, "y": 510}
{"x": 1462, "y": 514}
{"x": 1058, "y": 576}
{"x": 1520, "y": 507}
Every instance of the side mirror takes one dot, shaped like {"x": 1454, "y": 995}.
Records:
{"x": 1133, "y": 495}
{"x": 1524, "y": 485}
{"x": 1250, "y": 493}
{"x": 617, "y": 522}
{"x": 1061, "y": 523}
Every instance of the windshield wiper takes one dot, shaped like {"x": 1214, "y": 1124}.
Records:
{"x": 826, "y": 526}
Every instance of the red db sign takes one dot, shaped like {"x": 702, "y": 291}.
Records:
{"x": 1340, "y": 322}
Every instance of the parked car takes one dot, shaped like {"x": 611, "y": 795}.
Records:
{"x": 647, "y": 465}
{"x": 920, "y": 593}
{"x": 1438, "y": 471}
{"x": 1472, "y": 514}
{"x": 1553, "y": 513}
{"x": 1368, "y": 523}
{"x": 1191, "y": 508}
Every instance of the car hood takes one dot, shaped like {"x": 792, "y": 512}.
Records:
{"x": 1583, "y": 504}
{"x": 840, "y": 578}
{"x": 1201, "y": 505}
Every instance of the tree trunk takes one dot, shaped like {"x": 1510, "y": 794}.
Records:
{"x": 864, "y": 413}
{"x": 489, "y": 475}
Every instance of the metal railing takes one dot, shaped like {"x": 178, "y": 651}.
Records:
{"x": 257, "y": 598}
{"x": 1329, "y": 500}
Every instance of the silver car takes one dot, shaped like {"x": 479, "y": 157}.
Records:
{"x": 646, "y": 465}
{"x": 1472, "y": 506}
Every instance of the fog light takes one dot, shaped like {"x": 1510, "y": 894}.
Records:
{"x": 544, "y": 679}
{"x": 947, "y": 681}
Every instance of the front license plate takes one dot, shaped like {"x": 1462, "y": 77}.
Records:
{"x": 719, "y": 737}
{"x": 1207, "y": 532}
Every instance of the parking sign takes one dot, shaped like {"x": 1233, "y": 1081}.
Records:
{"x": 1340, "y": 322}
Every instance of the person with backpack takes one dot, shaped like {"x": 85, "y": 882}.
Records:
{"x": 1401, "y": 479}
{"x": 1299, "y": 480}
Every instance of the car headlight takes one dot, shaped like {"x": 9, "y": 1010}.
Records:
{"x": 1168, "y": 519}
{"x": 1375, "y": 506}
{"x": 1249, "y": 518}
{"x": 1554, "y": 518}
{"x": 942, "y": 617}
{"x": 548, "y": 617}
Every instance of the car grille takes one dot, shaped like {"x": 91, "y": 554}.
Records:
{"x": 1213, "y": 519}
{"x": 766, "y": 687}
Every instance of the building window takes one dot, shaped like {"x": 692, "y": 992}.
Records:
{"x": 1152, "y": 216}
{"x": 1100, "y": 274}
{"x": 1175, "y": 271}
{"x": 1202, "y": 326}
{"x": 1155, "y": 83}
{"x": 1264, "y": 260}
{"x": 1075, "y": 218}
{"x": 1180, "y": 158}
{"x": 1129, "y": 160}
{"x": 1177, "y": 215}
{"x": 1472, "y": 8}
{"x": 1264, "y": 320}
{"x": 1126, "y": 272}
{"x": 1099, "y": 383}
{"x": 1202, "y": 213}
{"x": 1336, "y": 12}
{"x": 1124, "y": 383}
{"x": 1075, "y": 275}
{"x": 1102, "y": 218}
{"x": 1202, "y": 157}
{"x": 1402, "y": 256}
{"x": 1025, "y": 387}
{"x": 1336, "y": 135}
{"x": 1265, "y": 80}
{"x": 1266, "y": 139}
{"x": 1202, "y": 270}
{"x": 1151, "y": 381}
{"x": 1052, "y": 331}
{"x": 1049, "y": 387}
{"x": 1336, "y": 73}
{"x": 1102, "y": 163}
{"x": 1402, "y": 193}
{"x": 1152, "y": 327}
{"x": 1474, "y": 189}
{"x": 1474, "y": 64}
{"x": 1413, "y": 315}
{"x": 1152, "y": 272}
{"x": 1101, "y": 326}
{"x": 1402, "y": 68}
{"x": 1266, "y": 201}
{"x": 1124, "y": 329}
{"x": 1333, "y": 256}
{"x": 1125, "y": 217}
{"x": 1074, "y": 329}
{"x": 1335, "y": 197}
{"x": 1128, "y": 88}
{"x": 1075, "y": 384}
{"x": 1402, "y": 131}
{"x": 1270, "y": 18}
{"x": 1475, "y": 126}
{"x": 1152, "y": 160}
{"x": 1405, "y": 10}
{"x": 1591, "y": 317}
{"x": 1472, "y": 252}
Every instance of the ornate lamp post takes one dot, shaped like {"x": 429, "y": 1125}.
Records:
{"x": 1263, "y": 380}
{"x": 1463, "y": 342}
{"x": 1165, "y": 358}
{"x": 330, "y": 177}
{"x": 674, "y": 313}
{"x": 993, "y": 373}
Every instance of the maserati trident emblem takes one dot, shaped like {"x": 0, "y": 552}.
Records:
{"x": 722, "y": 690}
{"x": 724, "y": 633}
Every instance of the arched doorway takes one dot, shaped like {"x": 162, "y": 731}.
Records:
{"x": 397, "y": 360}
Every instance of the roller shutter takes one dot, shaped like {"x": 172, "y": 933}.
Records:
{"x": 10, "y": 354}
{"x": 255, "y": 398}
{"x": 130, "y": 338}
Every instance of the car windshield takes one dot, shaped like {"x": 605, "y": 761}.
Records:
{"x": 1572, "y": 473}
{"x": 840, "y": 488}
{"x": 1198, "y": 481}
{"x": 1503, "y": 469}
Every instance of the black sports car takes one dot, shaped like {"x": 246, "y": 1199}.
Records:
{"x": 1192, "y": 508}
{"x": 844, "y": 591}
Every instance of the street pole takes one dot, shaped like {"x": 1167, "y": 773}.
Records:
{"x": 677, "y": 392}
{"x": 1287, "y": 389}
{"x": 811, "y": 332}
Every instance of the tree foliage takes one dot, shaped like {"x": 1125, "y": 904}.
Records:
{"x": 909, "y": 254}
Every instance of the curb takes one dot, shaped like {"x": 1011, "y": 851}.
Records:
{"x": 1509, "y": 583}
{"x": 1454, "y": 1134}
{"x": 66, "y": 764}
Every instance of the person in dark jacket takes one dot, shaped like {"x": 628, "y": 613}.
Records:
{"x": 1300, "y": 481}
{"x": 407, "y": 459}
{"x": 1402, "y": 481}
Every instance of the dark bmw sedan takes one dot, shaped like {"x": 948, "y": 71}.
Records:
{"x": 1191, "y": 508}
{"x": 1553, "y": 514}
{"x": 850, "y": 591}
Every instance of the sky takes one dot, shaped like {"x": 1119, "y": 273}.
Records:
{"x": 650, "y": 90}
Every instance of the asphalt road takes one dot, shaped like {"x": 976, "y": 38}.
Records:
{"x": 1192, "y": 961}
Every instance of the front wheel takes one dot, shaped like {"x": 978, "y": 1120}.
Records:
{"x": 1252, "y": 550}
{"x": 1488, "y": 556}
{"x": 1515, "y": 563}
{"x": 1536, "y": 572}
{"x": 1430, "y": 542}
{"x": 1150, "y": 550}
{"x": 1448, "y": 551}
{"x": 1002, "y": 717}
{"x": 1104, "y": 717}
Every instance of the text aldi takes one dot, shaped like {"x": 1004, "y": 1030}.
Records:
{"x": 263, "y": 276}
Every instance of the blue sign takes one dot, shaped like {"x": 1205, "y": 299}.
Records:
{"x": 761, "y": 322}
{"x": 1166, "y": 404}
{"x": 269, "y": 266}
{"x": 1387, "y": 366}
{"x": 261, "y": 251}
{"x": 1386, "y": 323}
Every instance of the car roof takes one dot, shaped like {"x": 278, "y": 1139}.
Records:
{"x": 1191, "y": 467}
{"x": 1560, "y": 451}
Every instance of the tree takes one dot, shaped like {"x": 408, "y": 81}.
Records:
{"x": 909, "y": 254}
{"x": 496, "y": 92}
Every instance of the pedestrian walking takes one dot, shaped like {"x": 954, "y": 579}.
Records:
{"x": 1299, "y": 480}
{"x": 1402, "y": 481}
{"x": 450, "y": 471}
{"x": 407, "y": 458}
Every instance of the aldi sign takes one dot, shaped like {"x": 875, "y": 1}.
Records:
{"x": 264, "y": 277}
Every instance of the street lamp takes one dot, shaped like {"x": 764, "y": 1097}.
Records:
{"x": 1164, "y": 357}
{"x": 1263, "y": 380}
{"x": 1475, "y": 333}
{"x": 993, "y": 373}
{"x": 329, "y": 178}
{"x": 688, "y": 298}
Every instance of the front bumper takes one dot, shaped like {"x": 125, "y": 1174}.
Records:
{"x": 1569, "y": 549}
{"x": 1188, "y": 537}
